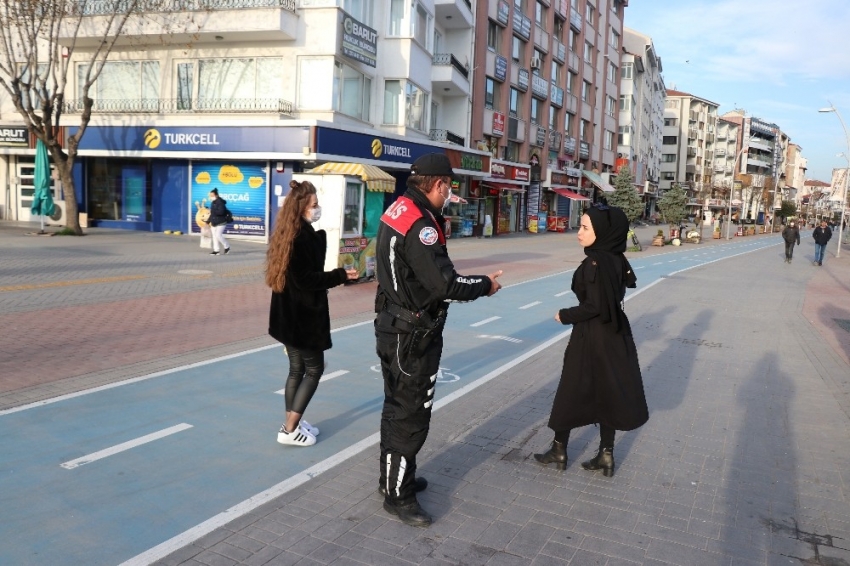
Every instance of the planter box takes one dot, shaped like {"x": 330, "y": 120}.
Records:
{"x": 716, "y": 236}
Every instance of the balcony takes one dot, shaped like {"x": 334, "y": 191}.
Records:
{"x": 572, "y": 103}
{"x": 720, "y": 153}
{"x": 233, "y": 20}
{"x": 539, "y": 87}
{"x": 454, "y": 14}
{"x": 569, "y": 145}
{"x": 522, "y": 24}
{"x": 576, "y": 20}
{"x": 541, "y": 39}
{"x": 692, "y": 151}
{"x": 561, "y": 7}
{"x": 573, "y": 62}
{"x": 756, "y": 143}
{"x": 584, "y": 150}
{"x": 719, "y": 167}
{"x": 557, "y": 96}
{"x": 756, "y": 161}
{"x": 709, "y": 138}
{"x": 185, "y": 106}
{"x": 690, "y": 169}
{"x": 516, "y": 129}
{"x": 692, "y": 133}
{"x": 537, "y": 135}
{"x": 449, "y": 76}
{"x": 554, "y": 141}
{"x": 559, "y": 51}
{"x": 446, "y": 136}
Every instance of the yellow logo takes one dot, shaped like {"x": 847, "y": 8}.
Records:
{"x": 152, "y": 138}
{"x": 377, "y": 148}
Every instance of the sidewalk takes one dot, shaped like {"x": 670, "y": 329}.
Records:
{"x": 744, "y": 459}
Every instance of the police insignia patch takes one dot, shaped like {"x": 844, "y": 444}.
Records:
{"x": 428, "y": 236}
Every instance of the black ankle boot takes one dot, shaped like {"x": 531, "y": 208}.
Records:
{"x": 604, "y": 461}
{"x": 557, "y": 454}
{"x": 410, "y": 514}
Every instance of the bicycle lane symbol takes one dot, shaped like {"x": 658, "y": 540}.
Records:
{"x": 442, "y": 375}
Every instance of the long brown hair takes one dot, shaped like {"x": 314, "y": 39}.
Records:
{"x": 286, "y": 228}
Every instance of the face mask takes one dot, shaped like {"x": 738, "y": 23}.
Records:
{"x": 448, "y": 200}
{"x": 315, "y": 214}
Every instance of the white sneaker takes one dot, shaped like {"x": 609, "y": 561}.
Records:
{"x": 298, "y": 437}
{"x": 307, "y": 427}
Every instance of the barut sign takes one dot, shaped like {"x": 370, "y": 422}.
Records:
{"x": 14, "y": 136}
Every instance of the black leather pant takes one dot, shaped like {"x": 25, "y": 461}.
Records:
{"x": 305, "y": 371}
{"x": 409, "y": 384}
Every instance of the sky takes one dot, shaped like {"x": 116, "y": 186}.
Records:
{"x": 780, "y": 60}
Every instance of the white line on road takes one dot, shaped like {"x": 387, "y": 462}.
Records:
{"x": 529, "y": 305}
{"x": 659, "y": 263}
{"x": 672, "y": 261}
{"x": 333, "y": 374}
{"x": 105, "y": 453}
{"x": 485, "y": 321}
{"x": 562, "y": 293}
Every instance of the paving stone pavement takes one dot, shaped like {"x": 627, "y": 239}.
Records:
{"x": 744, "y": 459}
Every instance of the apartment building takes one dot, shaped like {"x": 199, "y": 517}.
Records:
{"x": 725, "y": 154}
{"x": 544, "y": 104}
{"x": 641, "y": 117}
{"x": 687, "y": 151}
{"x": 242, "y": 95}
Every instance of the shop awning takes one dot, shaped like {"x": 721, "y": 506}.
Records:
{"x": 504, "y": 187}
{"x": 569, "y": 194}
{"x": 597, "y": 180}
{"x": 376, "y": 179}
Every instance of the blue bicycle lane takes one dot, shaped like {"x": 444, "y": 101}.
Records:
{"x": 102, "y": 477}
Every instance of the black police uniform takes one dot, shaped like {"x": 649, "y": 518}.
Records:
{"x": 416, "y": 278}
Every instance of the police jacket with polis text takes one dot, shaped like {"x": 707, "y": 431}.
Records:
{"x": 413, "y": 266}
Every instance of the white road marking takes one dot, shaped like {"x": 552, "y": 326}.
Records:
{"x": 659, "y": 263}
{"x": 529, "y": 305}
{"x": 505, "y": 338}
{"x": 562, "y": 293}
{"x": 105, "y": 453}
{"x": 672, "y": 261}
{"x": 485, "y": 321}
{"x": 333, "y": 374}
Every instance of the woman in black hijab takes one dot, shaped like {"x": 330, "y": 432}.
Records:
{"x": 600, "y": 381}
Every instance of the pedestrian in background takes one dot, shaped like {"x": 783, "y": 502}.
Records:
{"x": 821, "y": 234}
{"x": 219, "y": 216}
{"x": 791, "y": 235}
{"x": 416, "y": 278}
{"x": 299, "y": 316}
{"x": 600, "y": 380}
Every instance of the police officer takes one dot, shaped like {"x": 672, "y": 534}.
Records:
{"x": 416, "y": 279}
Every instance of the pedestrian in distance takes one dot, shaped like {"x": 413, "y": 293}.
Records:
{"x": 299, "y": 316}
{"x": 416, "y": 279}
{"x": 600, "y": 380}
{"x": 219, "y": 218}
{"x": 821, "y": 234}
{"x": 791, "y": 235}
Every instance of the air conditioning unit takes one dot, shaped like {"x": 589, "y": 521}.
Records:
{"x": 535, "y": 62}
{"x": 58, "y": 218}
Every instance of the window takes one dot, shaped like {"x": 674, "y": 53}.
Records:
{"x": 610, "y": 106}
{"x": 352, "y": 92}
{"x": 672, "y": 104}
{"x": 615, "y": 39}
{"x": 491, "y": 94}
{"x": 588, "y": 13}
{"x": 517, "y": 48}
{"x": 668, "y": 158}
{"x": 624, "y": 137}
{"x": 625, "y": 102}
{"x": 118, "y": 189}
{"x": 396, "y": 17}
{"x": 359, "y": 9}
{"x": 420, "y": 24}
{"x": 584, "y": 131}
{"x": 494, "y": 36}
{"x": 234, "y": 83}
{"x": 352, "y": 215}
{"x": 553, "y": 117}
{"x": 572, "y": 41}
{"x": 669, "y": 140}
{"x": 540, "y": 15}
{"x": 588, "y": 52}
{"x": 536, "y": 113}
{"x": 568, "y": 123}
{"x": 627, "y": 70}
{"x": 520, "y": 4}
{"x": 671, "y": 122}
{"x": 558, "y": 30}
{"x": 129, "y": 80}
{"x": 585, "y": 91}
{"x": 608, "y": 141}
{"x": 405, "y": 95}
{"x": 43, "y": 72}
{"x": 556, "y": 73}
{"x": 515, "y": 102}
{"x": 668, "y": 175}
{"x": 612, "y": 72}
{"x": 571, "y": 82}
{"x": 512, "y": 151}
{"x": 540, "y": 57}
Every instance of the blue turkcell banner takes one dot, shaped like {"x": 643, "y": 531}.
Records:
{"x": 244, "y": 185}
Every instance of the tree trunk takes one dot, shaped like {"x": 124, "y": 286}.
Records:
{"x": 65, "y": 169}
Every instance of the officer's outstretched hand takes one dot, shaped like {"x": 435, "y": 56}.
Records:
{"x": 494, "y": 285}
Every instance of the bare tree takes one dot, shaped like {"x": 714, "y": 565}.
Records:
{"x": 38, "y": 42}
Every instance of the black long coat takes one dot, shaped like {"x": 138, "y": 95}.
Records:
{"x": 600, "y": 381}
{"x": 299, "y": 316}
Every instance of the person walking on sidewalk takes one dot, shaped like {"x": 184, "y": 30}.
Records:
{"x": 219, "y": 218}
{"x": 600, "y": 380}
{"x": 821, "y": 234}
{"x": 791, "y": 235}
{"x": 299, "y": 316}
{"x": 416, "y": 278}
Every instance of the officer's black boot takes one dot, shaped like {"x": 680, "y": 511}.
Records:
{"x": 557, "y": 454}
{"x": 604, "y": 461}
{"x": 419, "y": 484}
{"x": 410, "y": 514}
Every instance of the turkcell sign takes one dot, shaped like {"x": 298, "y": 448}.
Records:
{"x": 190, "y": 139}
{"x": 359, "y": 42}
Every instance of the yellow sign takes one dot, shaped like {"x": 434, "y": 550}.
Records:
{"x": 152, "y": 138}
{"x": 377, "y": 147}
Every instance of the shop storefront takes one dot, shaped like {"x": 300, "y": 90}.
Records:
{"x": 503, "y": 192}
{"x": 17, "y": 148}
{"x": 563, "y": 200}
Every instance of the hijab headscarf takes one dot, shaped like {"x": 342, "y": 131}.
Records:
{"x": 611, "y": 227}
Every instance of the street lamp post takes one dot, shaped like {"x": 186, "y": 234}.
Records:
{"x": 846, "y": 173}
{"x": 732, "y": 189}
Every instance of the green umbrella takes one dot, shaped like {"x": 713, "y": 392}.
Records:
{"x": 42, "y": 198}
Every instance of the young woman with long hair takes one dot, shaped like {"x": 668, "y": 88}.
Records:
{"x": 299, "y": 316}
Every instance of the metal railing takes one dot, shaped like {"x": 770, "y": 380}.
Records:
{"x": 184, "y": 106}
{"x": 108, "y": 7}
{"x": 446, "y": 136}
{"x": 449, "y": 59}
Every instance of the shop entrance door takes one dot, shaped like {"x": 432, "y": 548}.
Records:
{"x": 25, "y": 176}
